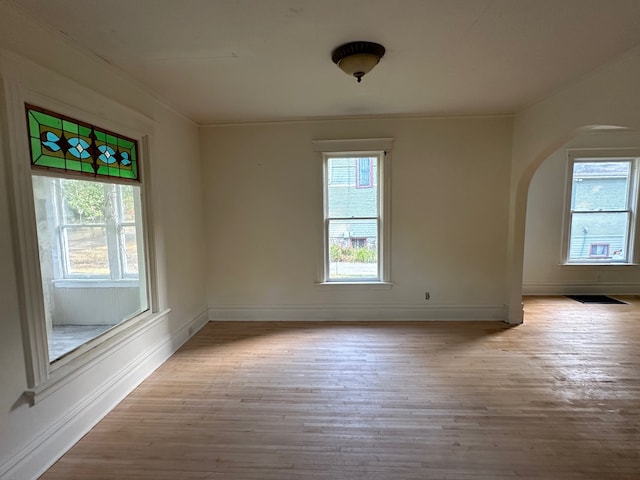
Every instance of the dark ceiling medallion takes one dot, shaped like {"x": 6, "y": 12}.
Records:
{"x": 357, "y": 58}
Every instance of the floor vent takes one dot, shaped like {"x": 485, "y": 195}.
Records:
{"x": 601, "y": 299}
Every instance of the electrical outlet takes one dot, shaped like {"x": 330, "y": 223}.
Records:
{"x": 427, "y": 295}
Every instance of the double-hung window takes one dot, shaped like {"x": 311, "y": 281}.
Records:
{"x": 355, "y": 211}
{"x": 603, "y": 202}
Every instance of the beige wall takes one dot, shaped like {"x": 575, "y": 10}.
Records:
{"x": 31, "y": 437}
{"x": 543, "y": 271}
{"x": 263, "y": 201}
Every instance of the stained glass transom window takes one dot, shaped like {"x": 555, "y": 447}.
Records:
{"x": 62, "y": 143}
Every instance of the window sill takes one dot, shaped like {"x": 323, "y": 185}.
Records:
{"x": 372, "y": 285}
{"x": 83, "y": 361}
{"x": 96, "y": 283}
{"x": 597, "y": 264}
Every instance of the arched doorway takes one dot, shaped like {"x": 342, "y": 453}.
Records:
{"x": 544, "y": 268}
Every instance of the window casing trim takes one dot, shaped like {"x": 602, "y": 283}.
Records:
{"x": 633, "y": 203}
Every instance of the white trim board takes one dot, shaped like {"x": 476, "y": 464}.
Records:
{"x": 47, "y": 447}
{"x": 358, "y": 312}
{"x": 353, "y": 145}
{"x": 581, "y": 288}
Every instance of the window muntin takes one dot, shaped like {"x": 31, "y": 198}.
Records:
{"x": 88, "y": 213}
{"x": 602, "y": 207}
{"x": 353, "y": 220}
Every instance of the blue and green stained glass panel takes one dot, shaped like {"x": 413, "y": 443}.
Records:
{"x": 62, "y": 143}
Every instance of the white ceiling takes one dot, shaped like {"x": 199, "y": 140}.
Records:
{"x": 254, "y": 60}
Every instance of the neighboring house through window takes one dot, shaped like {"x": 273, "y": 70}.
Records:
{"x": 364, "y": 172}
{"x": 603, "y": 202}
{"x": 356, "y": 213}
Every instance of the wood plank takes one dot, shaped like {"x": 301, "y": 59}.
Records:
{"x": 555, "y": 398}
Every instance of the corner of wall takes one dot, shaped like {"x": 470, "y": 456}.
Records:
{"x": 47, "y": 447}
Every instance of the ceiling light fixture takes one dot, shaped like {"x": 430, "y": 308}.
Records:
{"x": 357, "y": 58}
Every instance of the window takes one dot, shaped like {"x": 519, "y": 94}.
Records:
{"x": 599, "y": 250}
{"x": 364, "y": 173}
{"x": 356, "y": 211}
{"x": 88, "y": 240}
{"x": 602, "y": 209}
{"x": 357, "y": 242}
{"x": 87, "y": 202}
{"x": 92, "y": 227}
{"x": 353, "y": 220}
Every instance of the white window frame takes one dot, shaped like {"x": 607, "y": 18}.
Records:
{"x": 43, "y": 377}
{"x": 602, "y": 155}
{"x": 354, "y": 148}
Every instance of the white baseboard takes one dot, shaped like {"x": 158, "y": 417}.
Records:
{"x": 48, "y": 446}
{"x": 581, "y": 289}
{"x": 351, "y": 313}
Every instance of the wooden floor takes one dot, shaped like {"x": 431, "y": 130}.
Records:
{"x": 555, "y": 398}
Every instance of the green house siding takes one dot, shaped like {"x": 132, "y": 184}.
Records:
{"x": 599, "y": 221}
{"x": 347, "y": 200}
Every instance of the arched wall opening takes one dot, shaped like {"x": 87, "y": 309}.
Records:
{"x": 599, "y": 136}
{"x": 603, "y": 101}
{"x": 544, "y": 271}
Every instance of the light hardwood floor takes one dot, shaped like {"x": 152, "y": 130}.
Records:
{"x": 555, "y": 398}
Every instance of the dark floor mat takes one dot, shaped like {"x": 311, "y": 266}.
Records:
{"x": 603, "y": 299}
